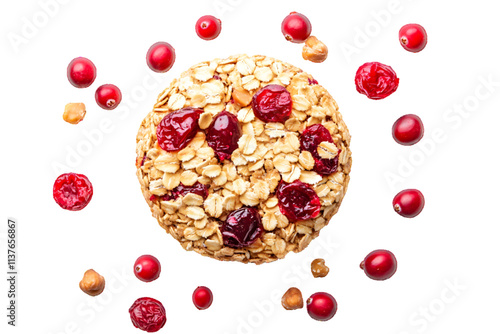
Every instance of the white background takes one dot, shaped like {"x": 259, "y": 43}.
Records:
{"x": 453, "y": 243}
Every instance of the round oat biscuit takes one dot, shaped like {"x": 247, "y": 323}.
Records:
{"x": 247, "y": 179}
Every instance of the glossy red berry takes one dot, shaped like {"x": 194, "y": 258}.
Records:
{"x": 72, "y": 191}
{"x": 408, "y": 130}
{"x": 108, "y": 96}
{"x": 223, "y": 135}
{"x": 298, "y": 201}
{"x": 272, "y": 103}
{"x": 202, "y": 298}
{"x": 177, "y": 129}
{"x": 208, "y": 27}
{"x": 321, "y": 306}
{"x": 296, "y": 27}
{"x": 379, "y": 265}
{"x": 310, "y": 139}
{"x": 147, "y": 268}
{"x": 413, "y": 37}
{"x": 160, "y": 57}
{"x": 376, "y": 80}
{"x": 409, "y": 203}
{"x": 148, "y": 314}
{"x": 197, "y": 188}
{"x": 242, "y": 228}
{"x": 81, "y": 72}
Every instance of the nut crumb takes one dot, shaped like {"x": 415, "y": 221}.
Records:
{"x": 92, "y": 283}
{"x": 319, "y": 269}
{"x": 314, "y": 50}
{"x": 74, "y": 113}
{"x": 292, "y": 299}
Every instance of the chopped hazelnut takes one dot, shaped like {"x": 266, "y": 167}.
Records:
{"x": 292, "y": 299}
{"x": 241, "y": 97}
{"x": 74, "y": 113}
{"x": 314, "y": 50}
{"x": 92, "y": 283}
{"x": 319, "y": 269}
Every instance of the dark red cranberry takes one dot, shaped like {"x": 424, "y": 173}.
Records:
{"x": 242, "y": 228}
{"x": 413, "y": 37}
{"x": 321, "y": 306}
{"x": 223, "y": 135}
{"x": 81, "y": 72}
{"x": 375, "y": 80}
{"x": 208, "y": 27}
{"x": 72, "y": 191}
{"x": 298, "y": 201}
{"x": 148, "y": 314}
{"x": 408, "y": 130}
{"x": 177, "y": 129}
{"x": 379, "y": 265}
{"x": 202, "y": 297}
{"x": 296, "y": 27}
{"x": 272, "y": 103}
{"x": 108, "y": 96}
{"x": 197, "y": 188}
{"x": 312, "y": 81}
{"x": 409, "y": 203}
{"x": 310, "y": 139}
{"x": 147, "y": 268}
{"x": 160, "y": 57}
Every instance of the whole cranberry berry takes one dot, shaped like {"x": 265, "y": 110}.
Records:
{"x": 272, "y": 103}
{"x": 376, "y": 80}
{"x": 409, "y": 203}
{"x": 147, "y": 268}
{"x": 223, "y": 135}
{"x": 202, "y": 298}
{"x": 321, "y": 306}
{"x": 108, "y": 96}
{"x": 379, "y": 265}
{"x": 296, "y": 27}
{"x": 160, "y": 57}
{"x": 413, "y": 37}
{"x": 72, "y": 191}
{"x": 148, "y": 314}
{"x": 408, "y": 130}
{"x": 177, "y": 129}
{"x": 81, "y": 72}
{"x": 242, "y": 228}
{"x": 208, "y": 27}
{"x": 298, "y": 201}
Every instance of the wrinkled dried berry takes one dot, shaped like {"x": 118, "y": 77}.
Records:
{"x": 72, "y": 191}
{"x": 310, "y": 139}
{"x": 375, "y": 80}
{"x": 197, "y": 188}
{"x": 148, "y": 314}
{"x": 273, "y": 103}
{"x": 177, "y": 129}
{"x": 242, "y": 228}
{"x": 298, "y": 201}
{"x": 223, "y": 135}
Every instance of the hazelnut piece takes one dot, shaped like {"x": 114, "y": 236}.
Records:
{"x": 314, "y": 50}
{"x": 241, "y": 97}
{"x": 74, "y": 113}
{"x": 92, "y": 283}
{"x": 319, "y": 269}
{"x": 292, "y": 299}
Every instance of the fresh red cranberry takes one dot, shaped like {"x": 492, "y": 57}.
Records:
{"x": 160, "y": 57}
{"x": 408, "y": 130}
{"x": 177, "y": 129}
{"x": 298, "y": 201}
{"x": 409, "y": 203}
{"x": 72, "y": 191}
{"x": 208, "y": 27}
{"x": 223, "y": 135}
{"x": 310, "y": 139}
{"x": 379, "y": 265}
{"x": 413, "y": 37}
{"x": 197, "y": 188}
{"x": 108, "y": 96}
{"x": 81, "y": 72}
{"x": 375, "y": 80}
{"x": 321, "y": 306}
{"x": 147, "y": 268}
{"x": 272, "y": 103}
{"x": 202, "y": 298}
{"x": 148, "y": 314}
{"x": 296, "y": 27}
{"x": 241, "y": 228}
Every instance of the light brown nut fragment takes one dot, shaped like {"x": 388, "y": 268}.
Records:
{"x": 318, "y": 268}
{"x": 327, "y": 150}
{"x": 292, "y": 299}
{"x": 92, "y": 283}
{"x": 74, "y": 113}
{"x": 314, "y": 50}
{"x": 241, "y": 97}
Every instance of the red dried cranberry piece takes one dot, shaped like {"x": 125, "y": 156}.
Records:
{"x": 72, "y": 191}
{"x": 242, "y": 228}
{"x": 197, "y": 188}
{"x": 297, "y": 201}
{"x": 148, "y": 314}
{"x": 272, "y": 103}
{"x": 310, "y": 139}
{"x": 223, "y": 135}
{"x": 376, "y": 80}
{"x": 178, "y": 128}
